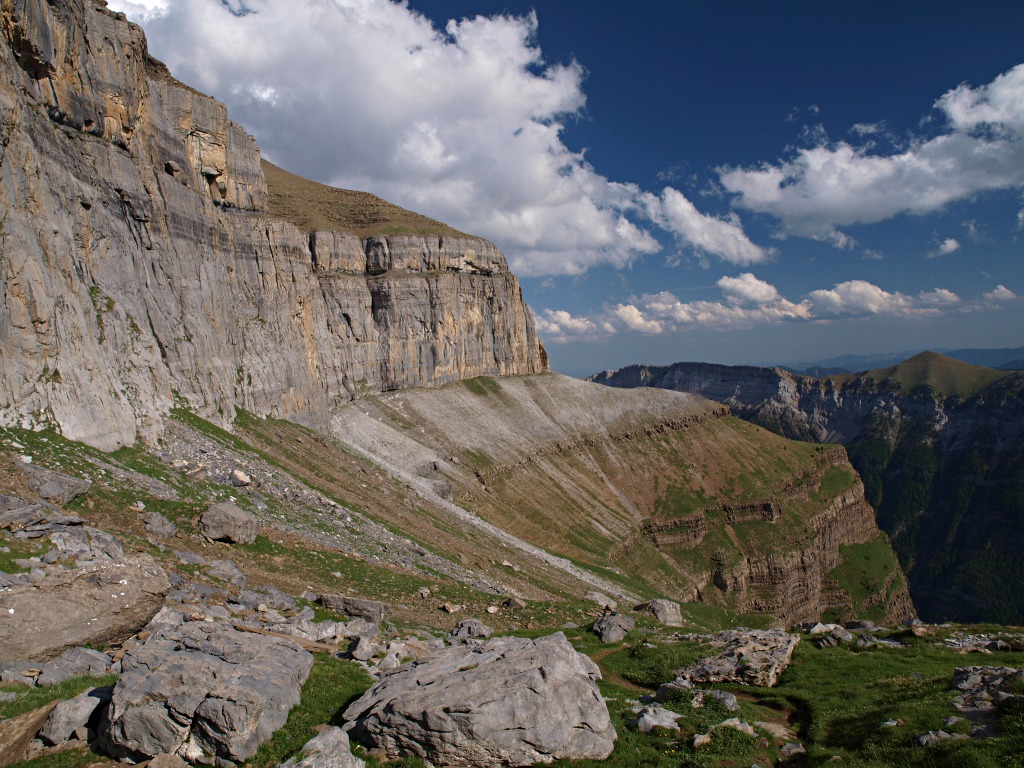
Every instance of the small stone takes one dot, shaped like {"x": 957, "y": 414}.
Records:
{"x": 791, "y": 750}
{"x": 240, "y": 479}
{"x": 492, "y": 609}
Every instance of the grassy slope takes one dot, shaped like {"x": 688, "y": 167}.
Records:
{"x": 836, "y": 699}
{"x": 532, "y": 464}
{"x": 312, "y": 207}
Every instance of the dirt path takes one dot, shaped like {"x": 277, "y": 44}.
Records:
{"x": 612, "y": 677}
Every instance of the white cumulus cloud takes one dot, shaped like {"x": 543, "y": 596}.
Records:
{"x": 1000, "y": 293}
{"x": 939, "y": 297}
{"x": 947, "y": 246}
{"x": 723, "y": 238}
{"x": 749, "y": 301}
{"x": 636, "y": 320}
{"x": 748, "y": 288}
{"x": 859, "y": 297}
{"x": 831, "y": 185}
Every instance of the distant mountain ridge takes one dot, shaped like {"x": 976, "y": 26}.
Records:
{"x": 1006, "y": 358}
{"x": 939, "y": 444}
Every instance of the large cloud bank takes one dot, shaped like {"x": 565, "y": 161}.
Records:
{"x": 747, "y": 301}
{"x": 980, "y": 148}
{"x": 463, "y": 123}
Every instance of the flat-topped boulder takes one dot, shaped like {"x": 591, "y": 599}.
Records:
{"x": 511, "y": 701}
{"x": 228, "y": 522}
{"x": 99, "y": 604}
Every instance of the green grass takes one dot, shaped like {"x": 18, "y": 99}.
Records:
{"x": 931, "y": 372}
{"x": 843, "y": 696}
{"x": 482, "y": 385}
{"x": 865, "y": 571}
{"x": 836, "y": 480}
{"x": 70, "y": 758}
{"x": 19, "y": 550}
{"x": 33, "y": 698}
{"x": 650, "y": 667}
{"x": 332, "y": 685}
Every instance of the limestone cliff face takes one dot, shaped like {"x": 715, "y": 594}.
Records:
{"x": 801, "y": 407}
{"x": 140, "y": 258}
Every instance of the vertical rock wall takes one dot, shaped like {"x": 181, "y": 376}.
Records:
{"x": 139, "y": 259}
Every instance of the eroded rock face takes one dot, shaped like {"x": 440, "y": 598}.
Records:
{"x": 98, "y": 604}
{"x": 204, "y": 691}
{"x": 511, "y": 701}
{"x": 160, "y": 266}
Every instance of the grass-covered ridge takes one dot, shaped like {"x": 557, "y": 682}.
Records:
{"x": 314, "y": 207}
{"x": 937, "y": 373}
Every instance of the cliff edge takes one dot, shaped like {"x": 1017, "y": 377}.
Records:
{"x": 145, "y": 256}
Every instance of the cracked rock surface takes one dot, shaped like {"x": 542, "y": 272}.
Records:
{"x": 205, "y": 692}
{"x": 511, "y": 701}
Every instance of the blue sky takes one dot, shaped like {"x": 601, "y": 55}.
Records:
{"x": 732, "y": 182}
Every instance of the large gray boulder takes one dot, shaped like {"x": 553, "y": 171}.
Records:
{"x": 205, "y": 692}
{"x": 667, "y": 612}
{"x": 468, "y": 630}
{"x": 511, "y": 701}
{"x": 228, "y": 522}
{"x": 613, "y": 627}
{"x": 75, "y": 717}
{"x": 371, "y": 610}
{"x": 96, "y": 605}
{"x": 329, "y": 749}
{"x": 158, "y": 525}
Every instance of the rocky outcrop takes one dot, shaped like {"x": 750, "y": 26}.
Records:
{"x": 800, "y": 407}
{"x": 512, "y": 701}
{"x": 329, "y": 749}
{"x": 746, "y": 657}
{"x": 205, "y": 692}
{"x": 140, "y": 257}
{"x": 613, "y": 627}
{"x": 667, "y": 612}
{"x": 98, "y": 604}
